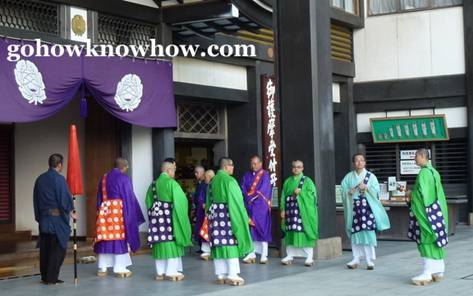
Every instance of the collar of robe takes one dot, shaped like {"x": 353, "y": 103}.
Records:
{"x": 361, "y": 174}
{"x": 256, "y": 172}
{"x": 427, "y": 164}
{"x": 223, "y": 172}
{"x": 53, "y": 170}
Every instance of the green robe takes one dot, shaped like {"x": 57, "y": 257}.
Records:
{"x": 423, "y": 195}
{"x": 307, "y": 201}
{"x": 168, "y": 190}
{"x": 225, "y": 189}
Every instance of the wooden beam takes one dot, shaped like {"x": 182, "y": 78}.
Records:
{"x": 197, "y": 32}
{"x": 199, "y": 11}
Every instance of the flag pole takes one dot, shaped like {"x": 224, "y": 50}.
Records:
{"x": 74, "y": 181}
{"x": 74, "y": 238}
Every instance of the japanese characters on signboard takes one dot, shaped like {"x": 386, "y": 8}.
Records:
{"x": 271, "y": 136}
{"x": 408, "y": 164}
{"x": 403, "y": 129}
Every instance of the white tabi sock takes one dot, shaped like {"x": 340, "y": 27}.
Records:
{"x": 160, "y": 266}
{"x": 370, "y": 254}
{"x": 205, "y": 248}
{"x": 434, "y": 266}
{"x": 119, "y": 262}
{"x": 251, "y": 255}
{"x": 261, "y": 248}
{"x": 172, "y": 266}
{"x": 233, "y": 268}
{"x": 358, "y": 252}
{"x": 221, "y": 269}
{"x": 179, "y": 265}
{"x": 310, "y": 254}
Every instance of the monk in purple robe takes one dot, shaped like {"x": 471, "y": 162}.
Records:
{"x": 199, "y": 199}
{"x": 257, "y": 189}
{"x": 115, "y": 195}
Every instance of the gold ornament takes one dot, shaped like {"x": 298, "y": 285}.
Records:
{"x": 270, "y": 52}
{"x": 78, "y": 25}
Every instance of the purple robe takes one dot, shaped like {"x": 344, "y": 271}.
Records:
{"x": 119, "y": 187}
{"x": 200, "y": 195}
{"x": 258, "y": 205}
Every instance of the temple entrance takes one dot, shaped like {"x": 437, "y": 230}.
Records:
{"x": 190, "y": 153}
{"x": 200, "y": 139}
{"x": 101, "y": 149}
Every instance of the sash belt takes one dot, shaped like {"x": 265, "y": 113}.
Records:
{"x": 54, "y": 212}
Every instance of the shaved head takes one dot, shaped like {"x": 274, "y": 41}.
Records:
{"x": 165, "y": 166}
{"x": 169, "y": 168}
{"x": 255, "y": 157}
{"x": 209, "y": 174}
{"x": 225, "y": 161}
{"x": 422, "y": 157}
{"x": 423, "y": 152}
{"x": 121, "y": 164}
{"x": 199, "y": 172}
{"x": 226, "y": 164}
{"x": 255, "y": 163}
{"x": 297, "y": 167}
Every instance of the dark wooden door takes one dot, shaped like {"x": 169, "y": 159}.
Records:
{"x": 101, "y": 149}
{"x": 7, "y": 202}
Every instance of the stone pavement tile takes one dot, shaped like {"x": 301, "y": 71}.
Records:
{"x": 397, "y": 262}
{"x": 391, "y": 275}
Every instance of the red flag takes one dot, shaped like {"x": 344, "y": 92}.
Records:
{"x": 74, "y": 172}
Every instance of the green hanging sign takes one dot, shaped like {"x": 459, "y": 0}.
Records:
{"x": 409, "y": 129}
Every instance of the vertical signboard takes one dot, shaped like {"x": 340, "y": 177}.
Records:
{"x": 271, "y": 131}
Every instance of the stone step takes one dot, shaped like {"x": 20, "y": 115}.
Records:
{"x": 25, "y": 260}
{"x": 17, "y": 236}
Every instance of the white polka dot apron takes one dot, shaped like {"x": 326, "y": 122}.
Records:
{"x": 414, "y": 229}
{"x": 292, "y": 213}
{"x": 436, "y": 220}
{"x": 220, "y": 226}
{"x": 363, "y": 217}
{"x": 160, "y": 220}
{"x": 437, "y": 223}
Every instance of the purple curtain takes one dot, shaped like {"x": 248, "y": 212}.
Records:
{"x": 136, "y": 91}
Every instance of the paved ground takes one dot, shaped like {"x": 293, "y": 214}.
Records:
{"x": 397, "y": 262}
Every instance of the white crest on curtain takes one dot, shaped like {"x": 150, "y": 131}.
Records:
{"x": 30, "y": 82}
{"x": 129, "y": 92}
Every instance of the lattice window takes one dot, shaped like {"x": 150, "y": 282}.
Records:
{"x": 118, "y": 30}
{"x": 28, "y": 15}
{"x": 381, "y": 160}
{"x": 449, "y": 158}
{"x": 450, "y": 161}
{"x": 199, "y": 119}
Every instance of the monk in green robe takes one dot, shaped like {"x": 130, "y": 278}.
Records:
{"x": 299, "y": 215}
{"x": 169, "y": 228}
{"x": 229, "y": 234}
{"x": 429, "y": 220}
{"x": 363, "y": 212}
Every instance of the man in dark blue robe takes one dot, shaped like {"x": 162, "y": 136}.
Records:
{"x": 52, "y": 208}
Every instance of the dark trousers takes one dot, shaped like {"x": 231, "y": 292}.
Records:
{"x": 51, "y": 257}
